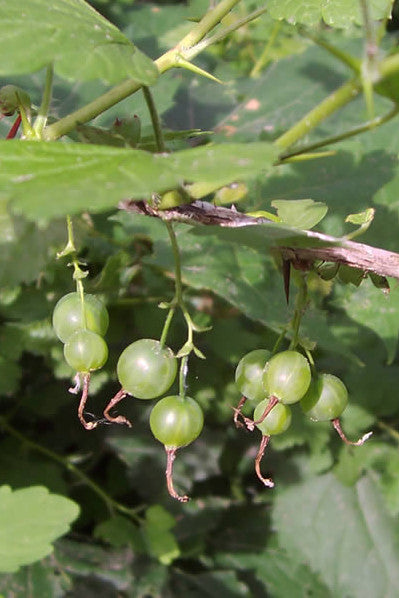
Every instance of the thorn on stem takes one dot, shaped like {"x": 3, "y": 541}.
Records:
{"x": 171, "y": 455}
{"x": 261, "y": 451}
{"x": 337, "y": 425}
{"x": 119, "y": 419}
{"x": 250, "y": 423}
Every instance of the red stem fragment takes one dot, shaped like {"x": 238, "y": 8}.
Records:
{"x": 238, "y": 412}
{"x": 337, "y": 425}
{"x": 171, "y": 455}
{"x": 119, "y": 419}
{"x": 250, "y": 423}
{"x": 261, "y": 451}
{"x": 14, "y": 129}
{"x": 85, "y": 393}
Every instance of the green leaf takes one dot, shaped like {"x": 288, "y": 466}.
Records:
{"x": 82, "y": 44}
{"x": 120, "y": 531}
{"x": 30, "y": 520}
{"x": 363, "y": 219}
{"x": 300, "y": 213}
{"x": 337, "y": 13}
{"x": 338, "y": 531}
{"x": 377, "y": 311}
{"x": 44, "y": 180}
{"x": 160, "y": 541}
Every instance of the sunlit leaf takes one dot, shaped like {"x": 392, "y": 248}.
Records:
{"x": 81, "y": 43}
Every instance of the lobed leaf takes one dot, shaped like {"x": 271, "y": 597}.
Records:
{"x": 30, "y": 520}
{"x": 82, "y": 44}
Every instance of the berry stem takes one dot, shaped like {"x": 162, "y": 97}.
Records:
{"x": 300, "y": 305}
{"x": 166, "y": 326}
{"x": 171, "y": 455}
{"x": 238, "y": 411}
{"x": 337, "y": 425}
{"x": 85, "y": 393}
{"x": 119, "y": 419}
{"x": 261, "y": 451}
{"x": 250, "y": 423}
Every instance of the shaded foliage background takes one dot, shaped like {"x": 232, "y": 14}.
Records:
{"x": 330, "y": 527}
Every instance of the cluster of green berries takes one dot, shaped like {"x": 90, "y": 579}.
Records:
{"x": 275, "y": 383}
{"x": 146, "y": 369}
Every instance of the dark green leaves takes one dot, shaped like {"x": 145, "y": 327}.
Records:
{"x": 82, "y": 44}
{"x": 44, "y": 180}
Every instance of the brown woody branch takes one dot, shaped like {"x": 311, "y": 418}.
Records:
{"x": 355, "y": 255}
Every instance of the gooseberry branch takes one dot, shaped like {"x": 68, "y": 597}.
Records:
{"x": 329, "y": 249}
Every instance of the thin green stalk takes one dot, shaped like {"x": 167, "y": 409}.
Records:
{"x": 178, "y": 301}
{"x": 206, "y": 24}
{"x": 371, "y": 124}
{"x": 183, "y": 376}
{"x": 279, "y": 340}
{"x": 155, "y": 120}
{"x": 300, "y": 305}
{"x": 342, "y": 96}
{"x": 177, "y": 260}
{"x": 351, "y": 61}
{"x": 369, "y": 69}
{"x": 78, "y": 273}
{"x": 127, "y": 88}
{"x": 42, "y": 114}
{"x": 166, "y": 326}
{"x": 111, "y": 504}
{"x": 264, "y": 57}
{"x": 339, "y": 98}
{"x": 223, "y": 33}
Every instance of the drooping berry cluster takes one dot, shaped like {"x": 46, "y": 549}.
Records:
{"x": 280, "y": 381}
{"x": 146, "y": 369}
{"x": 80, "y": 322}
